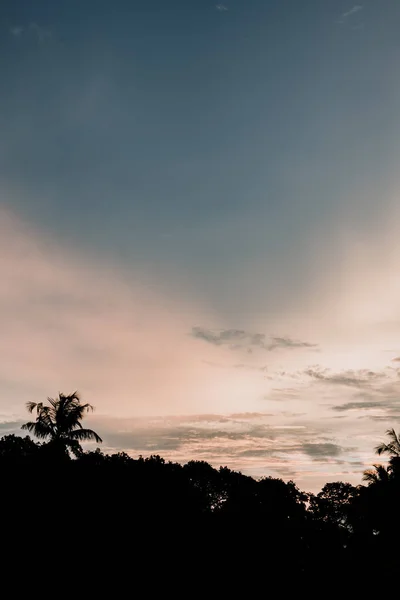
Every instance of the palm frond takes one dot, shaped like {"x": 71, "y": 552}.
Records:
{"x": 85, "y": 435}
{"x": 380, "y": 449}
{"x": 61, "y": 419}
{"x": 370, "y": 476}
{"x": 65, "y": 401}
{"x": 53, "y": 402}
{"x": 393, "y": 447}
{"x": 382, "y": 472}
{"x": 70, "y": 411}
{"x": 379, "y": 475}
{"x": 395, "y": 441}
{"x": 28, "y": 426}
{"x": 38, "y": 428}
{"x": 392, "y": 435}
{"x": 75, "y": 447}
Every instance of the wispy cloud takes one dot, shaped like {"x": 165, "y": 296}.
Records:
{"x": 352, "y": 378}
{"x": 254, "y": 441}
{"x": 352, "y": 11}
{"x": 221, "y": 7}
{"x": 321, "y": 451}
{"x": 16, "y": 31}
{"x": 237, "y": 339}
{"x": 347, "y": 16}
{"x": 286, "y": 342}
{"x": 359, "y": 405}
{"x": 41, "y": 34}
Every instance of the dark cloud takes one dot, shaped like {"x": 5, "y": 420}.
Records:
{"x": 237, "y": 339}
{"x": 286, "y": 342}
{"x": 359, "y": 405}
{"x": 384, "y": 398}
{"x": 321, "y": 451}
{"x": 317, "y": 451}
{"x": 361, "y": 378}
{"x": 391, "y": 411}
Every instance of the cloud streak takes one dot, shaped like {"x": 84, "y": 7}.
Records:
{"x": 359, "y": 379}
{"x": 347, "y": 17}
{"x": 352, "y": 11}
{"x": 253, "y": 441}
{"x": 322, "y": 451}
{"x": 238, "y": 339}
{"x": 234, "y": 339}
{"x": 286, "y": 342}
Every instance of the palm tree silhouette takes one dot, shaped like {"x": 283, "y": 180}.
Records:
{"x": 379, "y": 474}
{"x": 393, "y": 450}
{"x": 393, "y": 447}
{"x": 60, "y": 422}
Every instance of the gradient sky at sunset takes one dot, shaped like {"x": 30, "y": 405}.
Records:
{"x": 199, "y": 226}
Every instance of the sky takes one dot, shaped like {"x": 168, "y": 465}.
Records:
{"x": 199, "y": 226}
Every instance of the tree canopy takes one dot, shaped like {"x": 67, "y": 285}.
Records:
{"x": 194, "y": 514}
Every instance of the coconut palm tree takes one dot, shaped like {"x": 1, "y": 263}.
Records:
{"x": 379, "y": 475}
{"x": 59, "y": 422}
{"x": 393, "y": 447}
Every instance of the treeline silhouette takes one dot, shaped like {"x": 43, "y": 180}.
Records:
{"x": 164, "y": 517}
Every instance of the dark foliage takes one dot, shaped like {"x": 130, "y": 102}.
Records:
{"x": 59, "y": 422}
{"x": 170, "y": 524}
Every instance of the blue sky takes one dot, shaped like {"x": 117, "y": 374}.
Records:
{"x": 230, "y": 167}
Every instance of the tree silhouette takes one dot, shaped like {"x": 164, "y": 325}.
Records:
{"x": 379, "y": 474}
{"x": 393, "y": 447}
{"x": 60, "y": 422}
{"x": 331, "y": 504}
{"x": 343, "y": 528}
{"x": 17, "y": 449}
